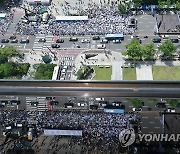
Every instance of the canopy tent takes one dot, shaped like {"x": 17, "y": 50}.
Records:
{"x": 46, "y": 59}
{"x": 71, "y": 18}
{"x": 2, "y": 15}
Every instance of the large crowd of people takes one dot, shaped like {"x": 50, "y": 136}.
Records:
{"x": 5, "y": 23}
{"x": 100, "y": 21}
{"x": 99, "y": 129}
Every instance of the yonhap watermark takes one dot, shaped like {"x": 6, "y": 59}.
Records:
{"x": 128, "y": 137}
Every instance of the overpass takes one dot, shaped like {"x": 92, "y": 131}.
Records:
{"x": 166, "y": 89}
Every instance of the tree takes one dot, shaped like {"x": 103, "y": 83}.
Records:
{"x": 136, "y": 102}
{"x": 9, "y": 69}
{"x": 122, "y": 8}
{"x": 167, "y": 48}
{"x": 133, "y": 50}
{"x": 137, "y": 3}
{"x": 3, "y": 59}
{"x": 148, "y": 51}
{"x": 173, "y": 102}
{"x": 177, "y": 5}
{"x": 9, "y": 51}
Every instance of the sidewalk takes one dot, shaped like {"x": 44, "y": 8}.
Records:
{"x": 116, "y": 66}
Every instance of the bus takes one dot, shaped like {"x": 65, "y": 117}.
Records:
{"x": 111, "y": 37}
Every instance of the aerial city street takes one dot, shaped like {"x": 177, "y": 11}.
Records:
{"x": 89, "y": 76}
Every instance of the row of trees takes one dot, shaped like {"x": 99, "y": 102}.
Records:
{"x": 136, "y": 51}
{"x": 13, "y": 69}
{"x": 125, "y": 7}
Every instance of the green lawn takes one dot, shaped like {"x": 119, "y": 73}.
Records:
{"x": 166, "y": 72}
{"x": 102, "y": 73}
{"x": 129, "y": 74}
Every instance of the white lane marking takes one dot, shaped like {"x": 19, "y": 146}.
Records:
{"x": 145, "y": 117}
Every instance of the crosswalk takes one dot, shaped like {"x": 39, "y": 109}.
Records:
{"x": 43, "y": 46}
{"x": 67, "y": 60}
{"x": 42, "y": 104}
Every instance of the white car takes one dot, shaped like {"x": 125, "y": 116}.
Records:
{"x": 2, "y": 46}
{"x": 85, "y": 41}
{"x": 172, "y": 110}
{"x": 165, "y": 36}
{"x": 101, "y": 46}
{"x": 139, "y": 109}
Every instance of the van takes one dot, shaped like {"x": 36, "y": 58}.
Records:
{"x": 24, "y": 41}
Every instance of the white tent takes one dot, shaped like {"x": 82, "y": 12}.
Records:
{"x": 2, "y": 15}
{"x": 43, "y": 2}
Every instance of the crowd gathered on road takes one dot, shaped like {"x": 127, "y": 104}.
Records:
{"x": 100, "y": 21}
{"x": 98, "y": 128}
{"x": 5, "y": 23}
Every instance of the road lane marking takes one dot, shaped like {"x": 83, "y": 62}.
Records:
{"x": 151, "y": 122}
{"x": 145, "y": 117}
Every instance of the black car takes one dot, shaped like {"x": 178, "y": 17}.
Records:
{"x": 14, "y": 41}
{"x": 50, "y": 98}
{"x": 156, "y": 40}
{"x": 24, "y": 41}
{"x": 174, "y": 40}
{"x": 15, "y": 102}
{"x": 161, "y": 105}
{"x": 55, "y": 46}
{"x": 42, "y": 40}
{"x": 34, "y": 103}
{"x": 4, "y": 102}
{"x": 59, "y": 41}
{"x": 4, "y": 41}
{"x": 145, "y": 36}
{"x": 12, "y": 37}
{"x": 54, "y": 102}
{"x": 2, "y": 106}
{"x": 95, "y": 38}
{"x": 73, "y": 39}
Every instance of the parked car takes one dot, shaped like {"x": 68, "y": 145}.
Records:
{"x": 42, "y": 40}
{"x": 24, "y": 41}
{"x": 55, "y": 46}
{"x": 161, "y": 105}
{"x": 73, "y": 39}
{"x": 95, "y": 38}
{"x": 14, "y": 41}
{"x": 59, "y": 41}
{"x": 145, "y": 36}
{"x": 4, "y": 41}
